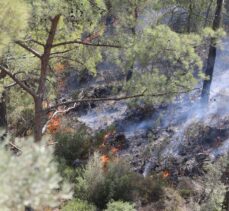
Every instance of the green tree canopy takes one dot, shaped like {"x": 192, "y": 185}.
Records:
{"x": 13, "y": 20}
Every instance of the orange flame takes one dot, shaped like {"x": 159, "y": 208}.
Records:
{"x": 165, "y": 174}
{"x": 105, "y": 159}
{"x": 54, "y": 124}
{"x": 114, "y": 150}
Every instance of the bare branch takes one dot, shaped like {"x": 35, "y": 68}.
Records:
{"x": 86, "y": 44}
{"x": 96, "y": 100}
{"x": 12, "y": 85}
{"x": 20, "y": 83}
{"x": 14, "y": 146}
{"x": 35, "y": 53}
{"x": 37, "y": 42}
{"x": 118, "y": 98}
{"x": 62, "y": 52}
{"x": 55, "y": 114}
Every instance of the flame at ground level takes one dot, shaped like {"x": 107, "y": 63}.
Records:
{"x": 165, "y": 174}
{"x": 105, "y": 159}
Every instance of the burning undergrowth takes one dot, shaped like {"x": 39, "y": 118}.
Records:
{"x": 191, "y": 148}
{"x": 207, "y": 137}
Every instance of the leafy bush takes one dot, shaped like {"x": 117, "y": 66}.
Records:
{"x": 78, "y": 205}
{"x": 70, "y": 147}
{"x": 120, "y": 181}
{"x": 149, "y": 189}
{"x": 23, "y": 123}
{"x": 215, "y": 190}
{"x": 171, "y": 201}
{"x": 100, "y": 185}
{"x": 91, "y": 184}
{"x": 31, "y": 178}
{"x": 120, "y": 206}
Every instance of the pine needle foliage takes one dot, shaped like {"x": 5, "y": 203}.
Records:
{"x": 13, "y": 20}
{"x": 30, "y": 178}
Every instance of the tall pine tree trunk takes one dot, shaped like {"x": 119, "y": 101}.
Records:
{"x": 38, "y": 119}
{"x": 3, "y": 119}
{"x": 212, "y": 54}
{"x": 189, "y": 24}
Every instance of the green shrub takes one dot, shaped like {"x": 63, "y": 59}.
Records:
{"x": 70, "y": 147}
{"x": 170, "y": 201}
{"x": 91, "y": 184}
{"x": 185, "y": 193}
{"x": 67, "y": 172}
{"x": 215, "y": 189}
{"x": 30, "y": 179}
{"x": 149, "y": 189}
{"x": 120, "y": 206}
{"x": 78, "y": 205}
{"x": 23, "y": 122}
{"x": 120, "y": 181}
{"x": 100, "y": 185}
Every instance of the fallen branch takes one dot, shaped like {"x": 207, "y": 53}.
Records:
{"x": 14, "y": 146}
{"x": 57, "y": 112}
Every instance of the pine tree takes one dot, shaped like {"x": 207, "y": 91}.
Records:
{"x": 212, "y": 53}
{"x": 58, "y": 31}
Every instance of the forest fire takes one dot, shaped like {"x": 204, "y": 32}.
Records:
{"x": 106, "y": 149}
{"x": 54, "y": 124}
{"x": 114, "y": 150}
{"x": 105, "y": 159}
{"x": 165, "y": 174}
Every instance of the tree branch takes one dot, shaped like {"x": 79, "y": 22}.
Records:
{"x": 12, "y": 85}
{"x": 62, "y": 52}
{"x": 20, "y": 83}
{"x": 14, "y": 146}
{"x": 118, "y": 98}
{"x": 96, "y": 100}
{"x": 35, "y": 53}
{"x": 86, "y": 44}
{"x": 37, "y": 42}
{"x": 57, "y": 112}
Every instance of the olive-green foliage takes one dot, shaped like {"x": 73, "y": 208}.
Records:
{"x": 30, "y": 178}
{"x": 71, "y": 152}
{"x": 163, "y": 62}
{"x": 91, "y": 183}
{"x": 171, "y": 201}
{"x": 79, "y": 19}
{"x": 99, "y": 185}
{"x": 74, "y": 146}
{"x": 125, "y": 11}
{"x": 149, "y": 189}
{"x": 193, "y": 15}
{"x": 214, "y": 188}
{"x": 78, "y": 205}
{"x": 166, "y": 61}
{"x": 23, "y": 123}
{"x": 120, "y": 206}
{"x": 13, "y": 20}
{"x": 19, "y": 110}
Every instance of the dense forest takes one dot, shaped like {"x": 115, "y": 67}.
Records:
{"x": 114, "y": 105}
